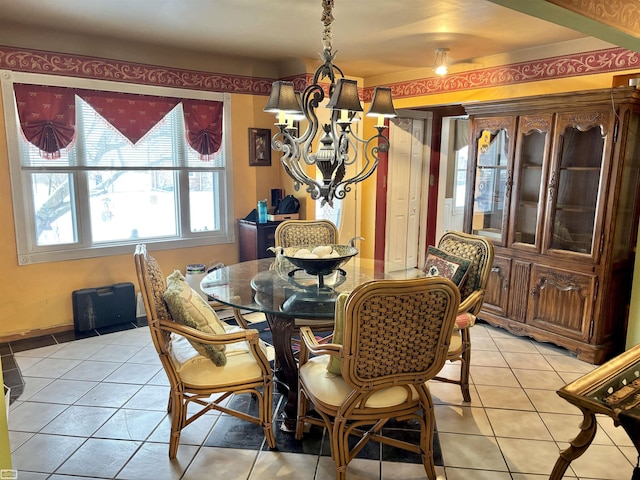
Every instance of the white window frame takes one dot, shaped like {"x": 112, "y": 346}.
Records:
{"x": 28, "y": 252}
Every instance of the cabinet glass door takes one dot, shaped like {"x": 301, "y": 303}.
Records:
{"x": 492, "y": 178}
{"x": 575, "y": 186}
{"x": 530, "y": 164}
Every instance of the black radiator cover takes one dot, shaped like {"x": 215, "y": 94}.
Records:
{"x": 103, "y": 306}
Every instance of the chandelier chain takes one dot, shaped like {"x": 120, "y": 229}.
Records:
{"x": 327, "y": 21}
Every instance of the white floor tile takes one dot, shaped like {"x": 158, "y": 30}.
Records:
{"x": 471, "y": 451}
{"x": 529, "y": 456}
{"x": 52, "y": 451}
{"x": 63, "y": 391}
{"x": 131, "y": 425}
{"x": 151, "y": 462}
{"x": 79, "y": 421}
{"x": 97, "y": 408}
{"x": 76, "y": 350}
{"x": 107, "y": 394}
{"x": 91, "y": 370}
{"x": 225, "y": 462}
{"x": 462, "y": 419}
{"x": 32, "y": 416}
{"x": 504, "y": 397}
{"x": 51, "y": 368}
{"x": 99, "y": 458}
{"x": 518, "y": 424}
{"x": 539, "y": 379}
{"x": 602, "y": 462}
{"x": 284, "y": 465}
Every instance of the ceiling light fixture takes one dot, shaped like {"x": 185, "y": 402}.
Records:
{"x": 338, "y": 144}
{"x": 440, "y": 66}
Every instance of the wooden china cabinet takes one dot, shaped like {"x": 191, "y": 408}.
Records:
{"x": 556, "y": 187}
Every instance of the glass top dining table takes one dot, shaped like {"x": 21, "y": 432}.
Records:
{"x": 283, "y": 293}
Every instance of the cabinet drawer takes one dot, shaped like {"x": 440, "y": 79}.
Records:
{"x": 561, "y": 301}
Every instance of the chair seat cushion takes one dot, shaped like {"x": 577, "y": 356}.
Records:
{"x": 444, "y": 264}
{"x": 331, "y": 389}
{"x": 188, "y": 308}
{"x": 455, "y": 346}
{"x": 195, "y": 369}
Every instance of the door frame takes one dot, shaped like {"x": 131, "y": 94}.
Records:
{"x": 433, "y": 143}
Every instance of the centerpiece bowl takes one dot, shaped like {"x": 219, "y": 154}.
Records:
{"x": 320, "y": 266}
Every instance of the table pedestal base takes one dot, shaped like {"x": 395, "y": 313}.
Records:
{"x": 285, "y": 368}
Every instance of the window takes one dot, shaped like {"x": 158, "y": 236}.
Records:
{"x": 103, "y": 192}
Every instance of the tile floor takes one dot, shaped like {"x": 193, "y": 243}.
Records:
{"x": 95, "y": 408}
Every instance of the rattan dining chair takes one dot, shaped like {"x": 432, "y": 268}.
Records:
{"x": 194, "y": 379}
{"x": 292, "y": 233}
{"x": 479, "y": 251}
{"x": 395, "y": 336}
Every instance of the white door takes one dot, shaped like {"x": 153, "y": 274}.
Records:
{"x": 404, "y": 192}
{"x": 415, "y": 191}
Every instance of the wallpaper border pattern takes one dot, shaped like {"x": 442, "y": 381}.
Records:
{"x": 587, "y": 63}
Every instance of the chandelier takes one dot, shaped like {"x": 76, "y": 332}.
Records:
{"x": 337, "y": 152}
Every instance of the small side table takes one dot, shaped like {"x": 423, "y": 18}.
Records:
{"x": 612, "y": 389}
{"x": 254, "y": 239}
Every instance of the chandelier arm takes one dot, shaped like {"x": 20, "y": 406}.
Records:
{"x": 370, "y": 163}
{"x": 312, "y": 96}
{"x": 296, "y": 172}
{"x": 352, "y": 141}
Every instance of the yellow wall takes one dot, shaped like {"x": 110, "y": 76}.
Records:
{"x": 633, "y": 330}
{"x": 38, "y": 296}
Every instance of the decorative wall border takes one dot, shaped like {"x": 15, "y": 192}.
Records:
{"x": 588, "y": 63}
{"x": 36, "y": 61}
{"x": 623, "y": 15}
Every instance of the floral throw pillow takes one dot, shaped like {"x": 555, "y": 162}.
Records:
{"x": 442, "y": 264}
{"x": 188, "y": 308}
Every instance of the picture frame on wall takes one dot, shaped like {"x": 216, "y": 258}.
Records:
{"x": 259, "y": 147}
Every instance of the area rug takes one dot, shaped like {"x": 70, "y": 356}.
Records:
{"x": 231, "y": 432}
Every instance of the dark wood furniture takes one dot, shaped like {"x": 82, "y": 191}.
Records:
{"x": 254, "y": 239}
{"x": 555, "y": 185}
{"x": 611, "y": 389}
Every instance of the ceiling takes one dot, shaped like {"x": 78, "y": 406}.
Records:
{"x": 372, "y": 37}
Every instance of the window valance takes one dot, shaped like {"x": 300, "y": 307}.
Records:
{"x": 47, "y": 116}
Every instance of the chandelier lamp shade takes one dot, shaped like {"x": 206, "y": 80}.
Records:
{"x": 337, "y": 154}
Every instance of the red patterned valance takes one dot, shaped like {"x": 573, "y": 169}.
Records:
{"x": 47, "y": 116}
{"x": 132, "y": 115}
{"x": 204, "y": 126}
